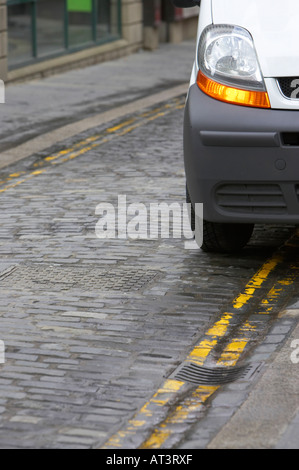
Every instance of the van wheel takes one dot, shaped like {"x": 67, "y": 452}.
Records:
{"x": 225, "y": 238}
{"x": 221, "y": 237}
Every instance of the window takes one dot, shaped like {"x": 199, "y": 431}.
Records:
{"x": 49, "y": 26}
{"x": 38, "y": 29}
{"x": 108, "y": 18}
{"x": 80, "y": 21}
{"x": 20, "y": 33}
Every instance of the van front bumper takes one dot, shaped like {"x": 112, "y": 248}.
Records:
{"x": 242, "y": 163}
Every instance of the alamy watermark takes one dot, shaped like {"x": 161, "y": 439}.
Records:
{"x": 150, "y": 222}
{"x": 2, "y": 352}
{"x": 2, "y": 92}
{"x": 295, "y": 353}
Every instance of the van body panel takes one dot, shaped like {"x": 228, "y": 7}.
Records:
{"x": 274, "y": 27}
{"x": 242, "y": 162}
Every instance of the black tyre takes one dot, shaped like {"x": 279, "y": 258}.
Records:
{"x": 221, "y": 237}
{"x": 225, "y": 238}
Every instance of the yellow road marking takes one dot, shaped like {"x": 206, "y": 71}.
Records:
{"x": 229, "y": 357}
{"x": 119, "y": 126}
{"x": 90, "y": 143}
{"x": 256, "y": 282}
{"x": 180, "y": 414}
{"x": 219, "y": 329}
{"x": 200, "y": 352}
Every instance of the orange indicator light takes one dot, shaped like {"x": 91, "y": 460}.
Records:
{"x": 257, "y": 99}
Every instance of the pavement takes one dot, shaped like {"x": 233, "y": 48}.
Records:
{"x": 83, "y": 352}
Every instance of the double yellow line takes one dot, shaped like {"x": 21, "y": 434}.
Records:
{"x": 173, "y": 403}
{"x": 90, "y": 143}
{"x": 174, "y": 397}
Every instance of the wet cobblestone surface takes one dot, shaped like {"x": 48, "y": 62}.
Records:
{"x": 84, "y": 353}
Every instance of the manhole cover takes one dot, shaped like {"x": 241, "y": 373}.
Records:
{"x": 48, "y": 277}
{"x": 198, "y": 375}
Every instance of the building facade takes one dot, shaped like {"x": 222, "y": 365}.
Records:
{"x": 41, "y": 37}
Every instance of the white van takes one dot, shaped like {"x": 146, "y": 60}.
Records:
{"x": 241, "y": 128}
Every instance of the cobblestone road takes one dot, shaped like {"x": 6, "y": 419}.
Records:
{"x": 92, "y": 327}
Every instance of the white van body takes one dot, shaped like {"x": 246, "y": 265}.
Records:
{"x": 275, "y": 30}
{"x": 241, "y": 128}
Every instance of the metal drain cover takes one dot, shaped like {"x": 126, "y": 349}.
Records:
{"x": 198, "y": 375}
{"x": 50, "y": 277}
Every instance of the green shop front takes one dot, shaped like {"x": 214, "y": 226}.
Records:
{"x": 44, "y": 29}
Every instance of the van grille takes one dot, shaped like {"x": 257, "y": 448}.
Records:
{"x": 251, "y": 199}
{"x": 288, "y": 86}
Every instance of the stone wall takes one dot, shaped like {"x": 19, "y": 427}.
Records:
{"x": 132, "y": 23}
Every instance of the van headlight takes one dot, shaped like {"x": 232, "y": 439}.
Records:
{"x": 228, "y": 67}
